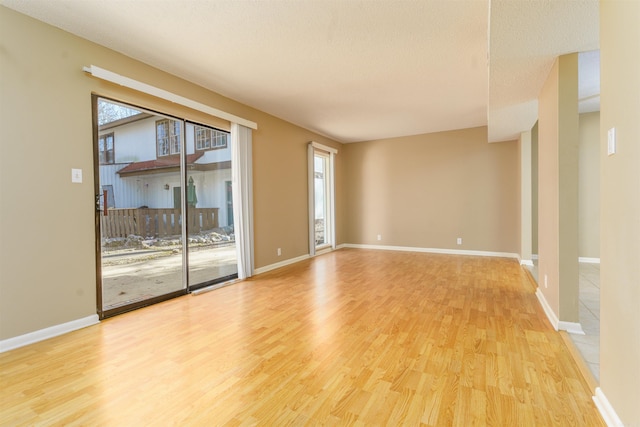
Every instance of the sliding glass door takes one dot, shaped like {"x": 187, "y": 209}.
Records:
{"x": 211, "y": 238}
{"x": 322, "y": 219}
{"x": 321, "y": 197}
{"x": 161, "y": 212}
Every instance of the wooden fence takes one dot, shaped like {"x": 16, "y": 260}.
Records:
{"x": 156, "y": 222}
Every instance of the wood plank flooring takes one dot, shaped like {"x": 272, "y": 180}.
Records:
{"x": 353, "y": 337}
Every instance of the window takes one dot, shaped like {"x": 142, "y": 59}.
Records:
{"x": 168, "y": 137}
{"x": 105, "y": 149}
{"x": 208, "y": 139}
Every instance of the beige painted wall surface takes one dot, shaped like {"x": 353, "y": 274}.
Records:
{"x": 589, "y": 186}
{"x": 558, "y": 188}
{"x": 424, "y": 191}
{"x": 524, "y": 144}
{"x": 534, "y": 189}
{"x": 47, "y": 264}
{"x": 568, "y": 139}
{"x": 548, "y": 177}
{"x": 620, "y": 209}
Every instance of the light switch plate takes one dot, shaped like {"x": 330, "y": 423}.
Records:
{"x": 611, "y": 141}
{"x": 76, "y": 175}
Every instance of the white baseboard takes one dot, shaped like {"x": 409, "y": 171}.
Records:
{"x": 50, "y": 332}
{"x": 606, "y": 410}
{"x": 526, "y": 262}
{"x": 294, "y": 260}
{"x": 571, "y": 327}
{"x": 558, "y": 325}
{"x": 547, "y": 309}
{"x": 589, "y": 260}
{"x": 280, "y": 264}
{"x": 387, "y": 248}
{"x": 433, "y": 250}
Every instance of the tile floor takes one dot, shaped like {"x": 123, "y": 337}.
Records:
{"x": 589, "y": 344}
{"x": 589, "y": 298}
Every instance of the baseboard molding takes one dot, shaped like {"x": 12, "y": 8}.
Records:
{"x": 433, "y": 250}
{"x": 46, "y": 333}
{"x": 571, "y": 327}
{"x": 526, "y": 262}
{"x": 387, "y": 248}
{"x": 606, "y": 410}
{"x": 558, "y": 325}
{"x": 547, "y": 309}
{"x": 280, "y": 264}
{"x": 589, "y": 260}
{"x": 294, "y": 260}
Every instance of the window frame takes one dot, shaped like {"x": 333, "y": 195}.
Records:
{"x": 103, "y": 157}
{"x": 172, "y": 138}
{"x": 328, "y": 154}
{"x": 211, "y": 135}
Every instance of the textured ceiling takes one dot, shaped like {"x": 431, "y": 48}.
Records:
{"x": 352, "y": 70}
{"x": 525, "y": 37}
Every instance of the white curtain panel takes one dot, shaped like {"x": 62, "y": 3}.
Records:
{"x": 242, "y": 179}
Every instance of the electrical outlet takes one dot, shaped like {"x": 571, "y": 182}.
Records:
{"x": 279, "y": 251}
{"x": 379, "y": 236}
{"x": 459, "y": 241}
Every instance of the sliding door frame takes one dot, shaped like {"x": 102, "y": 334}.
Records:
{"x": 330, "y": 222}
{"x": 102, "y": 313}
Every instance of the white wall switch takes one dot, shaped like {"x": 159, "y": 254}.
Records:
{"x": 611, "y": 141}
{"x": 459, "y": 241}
{"x": 76, "y": 175}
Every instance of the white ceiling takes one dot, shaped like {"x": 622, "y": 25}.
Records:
{"x": 352, "y": 70}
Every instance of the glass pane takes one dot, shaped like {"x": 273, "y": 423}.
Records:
{"x": 141, "y": 229}
{"x": 211, "y": 237}
{"x": 319, "y": 163}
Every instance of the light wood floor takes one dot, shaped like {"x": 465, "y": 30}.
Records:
{"x": 352, "y": 337}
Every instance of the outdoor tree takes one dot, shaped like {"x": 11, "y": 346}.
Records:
{"x": 109, "y": 112}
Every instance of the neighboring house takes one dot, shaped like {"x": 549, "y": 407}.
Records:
{"x": 140, "y": 165}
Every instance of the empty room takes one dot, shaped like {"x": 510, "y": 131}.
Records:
{"x": 320, "y": 212}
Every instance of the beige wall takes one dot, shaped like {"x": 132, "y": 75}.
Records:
{"x": 47, "y": 257}
{"x": 426, "y": 190}
{"x": 558, "y": 188}
{"x": 589, "y": 186}
{"x": 524, "y": 144}
{"x": 534, "y": 189}
{"x": 620, "y": 208}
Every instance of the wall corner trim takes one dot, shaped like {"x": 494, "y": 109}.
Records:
{"x": 606, "y": 410}
{"x": 46, "y": 333}
{"x": 547, "y": 309}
